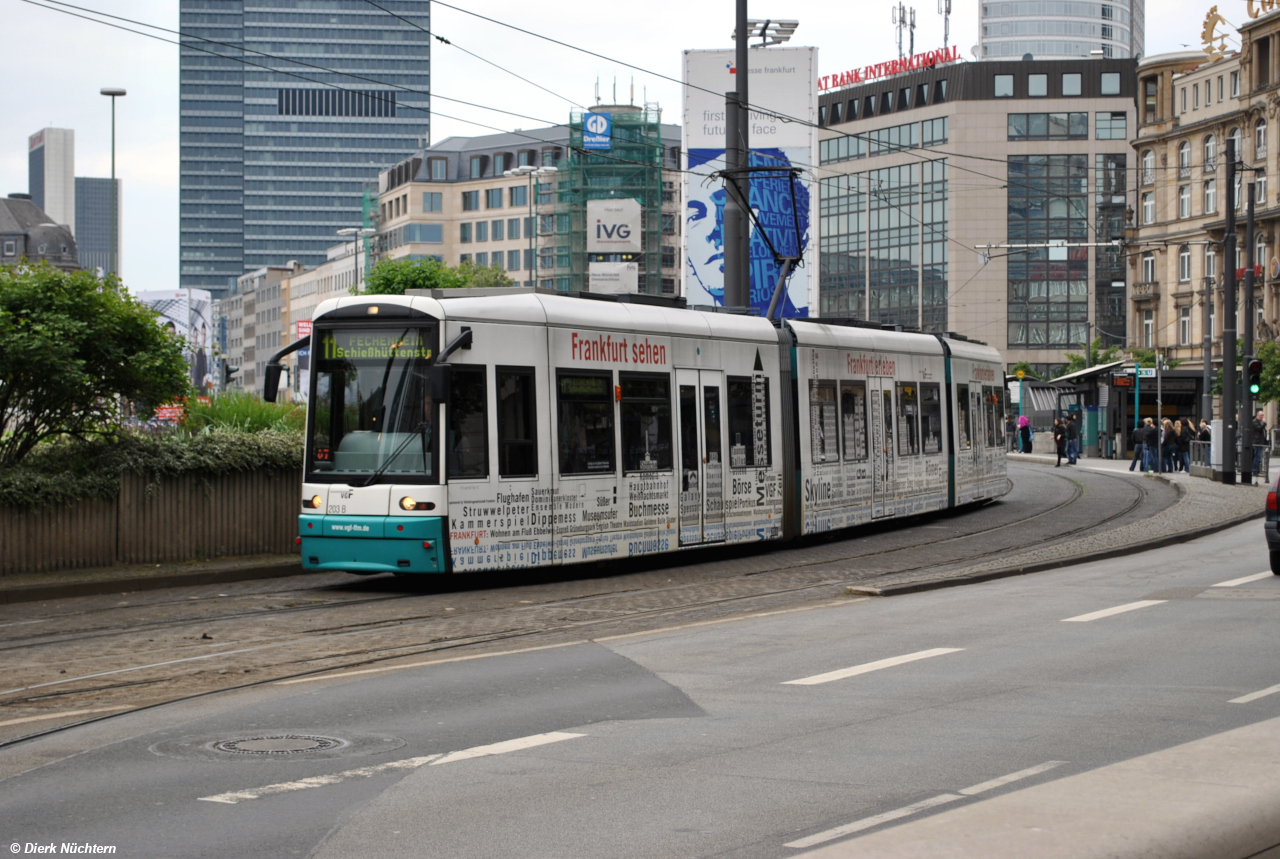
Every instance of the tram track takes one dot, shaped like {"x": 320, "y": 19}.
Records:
{"x": 795, "y": 577}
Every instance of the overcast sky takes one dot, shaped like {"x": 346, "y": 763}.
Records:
{"x": 56, "y": 64}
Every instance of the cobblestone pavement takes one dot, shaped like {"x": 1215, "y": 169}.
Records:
{"x": 107, "y": 654}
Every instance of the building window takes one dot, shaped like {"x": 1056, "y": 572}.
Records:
{"x": 439, "y": 169}
{"x": 1148, "y": 208}
{"x": 525, "y": 157}
{"x": 1234, "y": 140}
{"x": 10, "y": 248}
{"x": 1148, "y": 328}
{"x": 1260, "y": 179}
{"x": 498, "y": 229}
{"x": 1235, "y": 84}
{"x": 668, "y": 224}
{"x": 519, "y": 195}
{"x": 1111, "y": 126}
{"x": 1210, "y": 263}
{"x": 1048, "y": 126}
{"x": 1219, "y": 88}
{"x": 1210, "y": 154}
{"x": 482, "y": 231}
{"x": 1184, "y": 326}
{"x": 1195, "y": 96}
{"x": 1004, "y": 86}
{"x": 464, "y": 233}
{"x": 470, "y": 201}
{"x": 934, "y": 131}
{"x": 1183, "y": 106}
{"x": 1110, "y": 83}
{"x": 482, "y": 260}
{"x": 1260, "y": 140}
{"x": 1148, "y": 267}
{"x": 1149, "y": 167}
{"x": 477, "y": 166}
{"x": 1210, "y": 196}
{"x": 1184, "y": 160}
{"x": 1071, "y": 84}
{"x": 513, "y": 260}
{"x": 513, "y": 228}
{"x": 493, "y": 198}
{"x": 501, "y": 163}
{"x": 1184, "y": 264}
{"x": 1184, "y": 201}
{"x": 432, "y": 201}
{"x": 1037, "y": 86}
{"x": 835, "y": 114}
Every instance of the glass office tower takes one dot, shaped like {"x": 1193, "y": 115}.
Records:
{"x": 276, "y": 156}
{"x": 1060, "y": 29}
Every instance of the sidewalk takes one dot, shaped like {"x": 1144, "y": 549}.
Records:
{"x": 1205, "y": 507}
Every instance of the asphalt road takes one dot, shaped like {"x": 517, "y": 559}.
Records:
{"x": 693, "y": 740}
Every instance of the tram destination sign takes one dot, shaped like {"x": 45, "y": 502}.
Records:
{"x": 350, "y": 345}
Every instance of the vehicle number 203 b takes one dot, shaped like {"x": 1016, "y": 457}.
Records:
{"x": 337, "y": 508}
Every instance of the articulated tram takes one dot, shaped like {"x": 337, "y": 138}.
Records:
{"x": 524, "y": 429}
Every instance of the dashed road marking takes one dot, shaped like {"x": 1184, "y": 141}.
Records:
{"x": 871, "y": 666}
{"x": 1254, "y": 696}
{"x": 868, "y": 822}
{"x": 1256, "y": 577}
{"x": 236, "y": 796}
{"x": 1108, "y": 612}
{"x": 1010, "y": 778}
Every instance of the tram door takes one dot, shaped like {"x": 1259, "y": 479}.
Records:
{"x": 977, "y": 412}
{"x": 880, "y": 393}
{"x": 700, "y": 395}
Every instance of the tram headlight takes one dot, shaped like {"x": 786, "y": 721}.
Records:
{"x": 313, "y": 502}
{"x": 408, "y": 503}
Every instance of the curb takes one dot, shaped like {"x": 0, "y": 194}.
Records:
{"x": 33, "y": 593}
{"x": 1042, "y": 566}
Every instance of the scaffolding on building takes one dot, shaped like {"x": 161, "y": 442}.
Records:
{"x": 631, "y": 167}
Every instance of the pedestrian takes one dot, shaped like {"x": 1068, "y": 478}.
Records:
{"x": 1024, "y": 433}
{"x": 1167, "y": 445}
{"x": 1139, "y": 433}
{"x": 1182, "y": 440}
{"x": 1059, "y": 440}
{"x": 1073, "y": 441}
{"x": 1011, "y": 432}
{"x": 1206, "y": 434}
{"x": 1259, "y": 442}
{"x": 1150, "y": 445}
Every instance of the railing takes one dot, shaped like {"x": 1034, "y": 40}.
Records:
{"x": 1184, "y": 171}
{"x": 1148, "y": 176}
{"x": 1200, "y": 453}
{"x": 1200, "y": 458}
{"x": 1150, "y": 289}
{"x": 1211, "y": 166}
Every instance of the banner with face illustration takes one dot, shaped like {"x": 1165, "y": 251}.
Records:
{"x": 187, "y": 313}
{"x": 783, "y": 86}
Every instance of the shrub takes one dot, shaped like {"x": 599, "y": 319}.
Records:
{"x": 237, "y": 411}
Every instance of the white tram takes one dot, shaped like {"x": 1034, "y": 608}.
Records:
{"x": 485, "y": 432}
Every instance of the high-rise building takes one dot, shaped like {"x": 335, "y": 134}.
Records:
{"x": 51, "y": 171}
{"x": 1011, "y": 29}
{"x": 93, "y": 222}
{"x": 276, "y": 156}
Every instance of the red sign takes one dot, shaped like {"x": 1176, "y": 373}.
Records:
{"x": 892, "y": 67}
{"x": 303, "y": 327}
{"x": 1257, "y": 272}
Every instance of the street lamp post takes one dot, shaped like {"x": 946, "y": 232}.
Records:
{"x": 358, "y": 233}
{"x": 113, "y": 93}
{"x": 530, "y": 171}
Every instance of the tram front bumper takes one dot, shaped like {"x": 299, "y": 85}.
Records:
{"x": 373, "y": 544}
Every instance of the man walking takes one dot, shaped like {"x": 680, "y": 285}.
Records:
{"x": 1073, "y": 441}
{"x": 1259, "y": 442}
{"x": 1139, "y": 445}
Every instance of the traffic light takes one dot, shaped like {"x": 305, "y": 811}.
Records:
{"x": 1254, "y": 370}
{"x": 227, "y": 372}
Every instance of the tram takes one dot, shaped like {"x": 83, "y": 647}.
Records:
{"x": 471, "y": 430}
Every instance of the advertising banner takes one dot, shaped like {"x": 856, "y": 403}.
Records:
{"x": 614, "y": 226}
{"x": 597, "y": 131}
{"x": 614, "y": 277}
{"x": 783, "y": 87}
{"x": 187, "y": 313}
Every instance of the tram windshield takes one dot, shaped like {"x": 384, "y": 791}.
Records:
{"x": 372, "y": 414}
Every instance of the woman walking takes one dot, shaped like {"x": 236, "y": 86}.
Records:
{"x": 1024, "y": 433}
{"x": 1168, "y": 444}
{"x": 1182, "y": 444}
{"x": 1059, "y": 440}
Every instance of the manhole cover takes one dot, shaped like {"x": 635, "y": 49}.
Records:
{"x": 280, "y": 744}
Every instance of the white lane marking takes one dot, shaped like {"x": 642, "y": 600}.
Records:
{"x": 1107, "y": 612}
{"x": 62, "y": 715}
{"x": 871, "y": 666}
{"x": 508, "y": 746}
{"x": 423, "y": 663}
{"x": 868, "y": 822}
{"x": 1010, "y": 778}
{"x": 1254, "y": 696}
{"x": 1256, "y": 577}
{"x": 233, "y": 797}
{"x": 318, "y": 781}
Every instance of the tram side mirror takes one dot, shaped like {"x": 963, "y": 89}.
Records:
{"x": 441, "y": 383}
{"x": 271, "y": 382}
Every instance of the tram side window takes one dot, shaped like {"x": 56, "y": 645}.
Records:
{"x": 468, "y": 439}
{"x": 749, "y": 430}
{"x": 822, "y": 421}
{"x": 646, "y": 422}
{"x": 586, "y": 423}
{"x": 931, "y": 417}
{"x": 908, "y": 419}
{"x": 517, "y": 423}
{"x": 975, "y": 412}
{"x": 853, "y": 417}
{"x": 989, "y": 397}
{"x": 1002, "y": 412}
{"x": 962, "y": 417}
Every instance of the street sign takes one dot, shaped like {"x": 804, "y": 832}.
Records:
{"x": 1020, "y": 374}
{"x": 1146, "y": 372}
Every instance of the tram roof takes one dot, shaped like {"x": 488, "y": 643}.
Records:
{"x": 818, "y": 333}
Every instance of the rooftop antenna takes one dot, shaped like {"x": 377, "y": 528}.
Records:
{"x": 615, "y": 89}
{"x": 944, "y": 9}
{"x": 911, "y": 52}
{"x": 899, "y": 16}
{"x": 597, "y": 89}
{"x": 633, "y": 90}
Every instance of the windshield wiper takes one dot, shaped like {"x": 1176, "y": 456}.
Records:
{"x": 424, "y": 432}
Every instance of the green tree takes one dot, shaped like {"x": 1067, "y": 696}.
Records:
{"x": 1026, "y": 369}
{"x": 484, "y": 276}
{"x": 1097, "y": 355}
{"x": 1147, "y": 358}
{"x": 1269, "y": 355}
{"x": 394, "y": 276}
{"x": 73, "y": 348}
